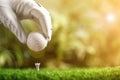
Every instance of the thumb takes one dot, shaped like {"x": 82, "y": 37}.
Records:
{"x": 43, "y": 19}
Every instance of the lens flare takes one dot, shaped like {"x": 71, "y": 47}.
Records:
{"x": 110, "y": 17}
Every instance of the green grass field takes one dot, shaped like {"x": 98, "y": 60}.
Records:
{"x": 61, "y": 74}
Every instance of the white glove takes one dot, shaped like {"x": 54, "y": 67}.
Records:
{"x": 12, "y": 11}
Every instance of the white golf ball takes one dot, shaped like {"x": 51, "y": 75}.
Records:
{"x": 36, "y": 42}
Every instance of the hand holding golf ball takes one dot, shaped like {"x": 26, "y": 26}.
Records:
{"x": 13, "y": 11}
{"x": 36, "y": 41}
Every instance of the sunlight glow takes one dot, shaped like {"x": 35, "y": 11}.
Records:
{"x": 110, "y": 17}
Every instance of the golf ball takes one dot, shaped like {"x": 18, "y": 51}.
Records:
{"x": 36, "y": 42}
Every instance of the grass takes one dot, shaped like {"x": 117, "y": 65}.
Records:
{"x": 61, "y": 74}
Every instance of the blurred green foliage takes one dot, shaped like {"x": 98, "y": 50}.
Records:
{"x": 82, "y": 37}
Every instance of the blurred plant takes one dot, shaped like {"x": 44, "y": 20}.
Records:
{"x": 5, "y": 58}
{"x": 11, "y": 49}
{"x": 82, "y": 37}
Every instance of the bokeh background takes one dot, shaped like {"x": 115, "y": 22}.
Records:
{"x": 85, "y": 34}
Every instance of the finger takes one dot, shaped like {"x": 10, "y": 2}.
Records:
{"x": 10, "y": 21}
{"x": 28, "y": 9}
{"x": 43, "y": 19}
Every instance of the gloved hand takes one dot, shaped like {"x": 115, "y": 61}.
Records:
{"x": 12, "y": 11}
